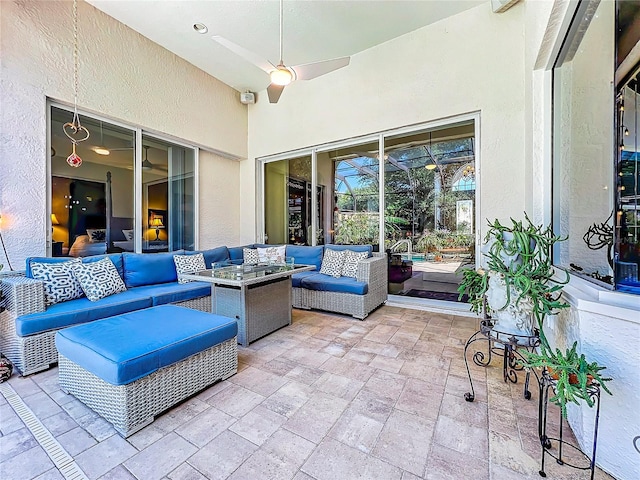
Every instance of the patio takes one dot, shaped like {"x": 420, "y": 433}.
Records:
{"x": 326, "y": 398}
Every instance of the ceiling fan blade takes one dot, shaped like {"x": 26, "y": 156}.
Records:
{"x": 309, "y": 71}
{"x": 274, "y": 91}
{"x": 248, "y": 55}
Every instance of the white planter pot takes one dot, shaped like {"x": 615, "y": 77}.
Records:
{"x": 510, "y": 317}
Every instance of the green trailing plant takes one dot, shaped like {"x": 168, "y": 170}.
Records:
{"x": 572, "y": 372}
{"x": 521, "y": 255}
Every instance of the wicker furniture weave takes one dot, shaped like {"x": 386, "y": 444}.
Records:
{"x": 37, "y": 352}
{"x": 133, "y": 406}
{"x": 373, "y": 270}
{"x": 260, "y": 304}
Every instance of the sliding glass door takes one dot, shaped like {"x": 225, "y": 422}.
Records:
{"x": 425, "y": 219}
{"x": 430, "y": 185}
{"x": 93, "y": 206}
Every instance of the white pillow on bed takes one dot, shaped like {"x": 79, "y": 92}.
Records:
{"x": 128, "y": 234}
{"x": 97, "y": 235}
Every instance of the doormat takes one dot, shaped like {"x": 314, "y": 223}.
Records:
{"x": 444, "y": 296}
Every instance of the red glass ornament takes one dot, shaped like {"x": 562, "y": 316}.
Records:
{"x": 74, "y": 160}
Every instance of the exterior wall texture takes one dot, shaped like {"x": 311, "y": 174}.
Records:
{"x": 122, "y": 75}
{"x": 470, "y": 62}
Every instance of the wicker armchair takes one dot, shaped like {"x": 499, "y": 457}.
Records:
{"x": 37, "y": 352}
{"x": 373, "y": 270}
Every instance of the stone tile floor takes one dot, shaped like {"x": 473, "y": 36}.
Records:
{"x": 328, "y": 398}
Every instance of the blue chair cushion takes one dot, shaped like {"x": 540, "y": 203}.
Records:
{"x": 235, "y": 253}
{"x": 296, "y": 278}
{"x": 354, "y": 248}
{"x": 327, "y": 283}
{"x": 80, "y": 310}
{"x": 174, "y": 292}
{"x": 116, "y": 258}
{"x": 149, "y": 268}
{"x": 303, "y": 255}
{"x": 130, "y": 346}
{"x": 215, "y": 255}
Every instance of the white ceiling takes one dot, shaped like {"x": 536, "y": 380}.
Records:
{"x": 313, "y": 29}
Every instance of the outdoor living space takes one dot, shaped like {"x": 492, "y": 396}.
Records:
{"x": 325, "y": 398}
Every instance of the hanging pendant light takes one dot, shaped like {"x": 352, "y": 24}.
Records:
{"x": 101, "y": 149}
{"x": 74, "y": 129}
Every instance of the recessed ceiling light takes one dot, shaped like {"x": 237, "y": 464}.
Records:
{"x": 200, "y": 28}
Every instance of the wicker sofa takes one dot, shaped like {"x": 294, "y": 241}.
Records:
{"x": 28, "y": 328}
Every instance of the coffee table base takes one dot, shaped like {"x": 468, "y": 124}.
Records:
{"x": 260, "y": 309}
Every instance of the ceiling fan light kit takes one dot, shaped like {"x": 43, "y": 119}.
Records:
{"x": 281, "y": 75}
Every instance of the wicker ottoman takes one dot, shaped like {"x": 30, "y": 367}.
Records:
{"x": 131, "y": 367}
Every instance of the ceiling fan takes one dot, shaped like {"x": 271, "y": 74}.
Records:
{"x": 280, "y": 74}
{"x": 146, "y": 163}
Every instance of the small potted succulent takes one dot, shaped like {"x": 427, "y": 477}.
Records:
{"x": 572, "y": 373}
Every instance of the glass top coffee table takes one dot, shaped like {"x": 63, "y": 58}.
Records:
{"x": 257, "y": 296}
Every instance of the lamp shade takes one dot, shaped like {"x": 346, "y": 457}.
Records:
{"x": 156, "y": 222}
{"x": 430, "y": 166}
{"x": 54, "y": 219}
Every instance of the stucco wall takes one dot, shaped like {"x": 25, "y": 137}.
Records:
{"x": 470, "y": 62}
{"x": 123, "y": 76}
{"x": 219, "y": 201}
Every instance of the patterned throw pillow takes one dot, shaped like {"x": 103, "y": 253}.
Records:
{"x": 189, "y": 264}
{"x": 97, "y": 235}
{"x": 332, "y": 262}
{"x": 271, "y": 254}
{"x": 98, "y": 279}
{"x": 351, "y": 259}
{"x": 60, "y": 284}
{"x": 250, "y": 256}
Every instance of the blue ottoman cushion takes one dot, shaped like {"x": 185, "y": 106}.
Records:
{"x": 125, "y": 348}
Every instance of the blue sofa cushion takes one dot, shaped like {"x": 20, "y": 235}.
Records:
{"x": 303, "y": 255}
{"x": 327, "y": 283}
{"x": 215, "y": 255}
{"x": 174, "y": 292}
{"x": 80, "y": 310}
{"x": 130, "y": 346}
{"x": 235, "y": 253}
{"x": 296, "y": 278}
{"x": 353, "y": 248}
{"x": 149, "y": 268}
{"x": 116, "y": 258}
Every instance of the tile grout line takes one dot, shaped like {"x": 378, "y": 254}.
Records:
{"x": 60, "y": 457}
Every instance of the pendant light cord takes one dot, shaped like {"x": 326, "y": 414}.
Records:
{"x": 76, "y": 119}
{"x": 281, "y": 8}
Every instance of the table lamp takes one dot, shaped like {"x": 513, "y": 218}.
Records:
{"x": 156, "y": 223}
{"x": 54, "y": 221}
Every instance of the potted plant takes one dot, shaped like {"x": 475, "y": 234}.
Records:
{"x": 518, "y": 284}
{"x": 572, "y": 373}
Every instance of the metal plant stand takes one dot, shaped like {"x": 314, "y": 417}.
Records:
{"x": 511, "y": 357}
{"x": 547, "y": 382}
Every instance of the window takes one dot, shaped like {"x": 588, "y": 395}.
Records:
{"x": 93, "y": 207}
{"x": 584, "y": 144}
